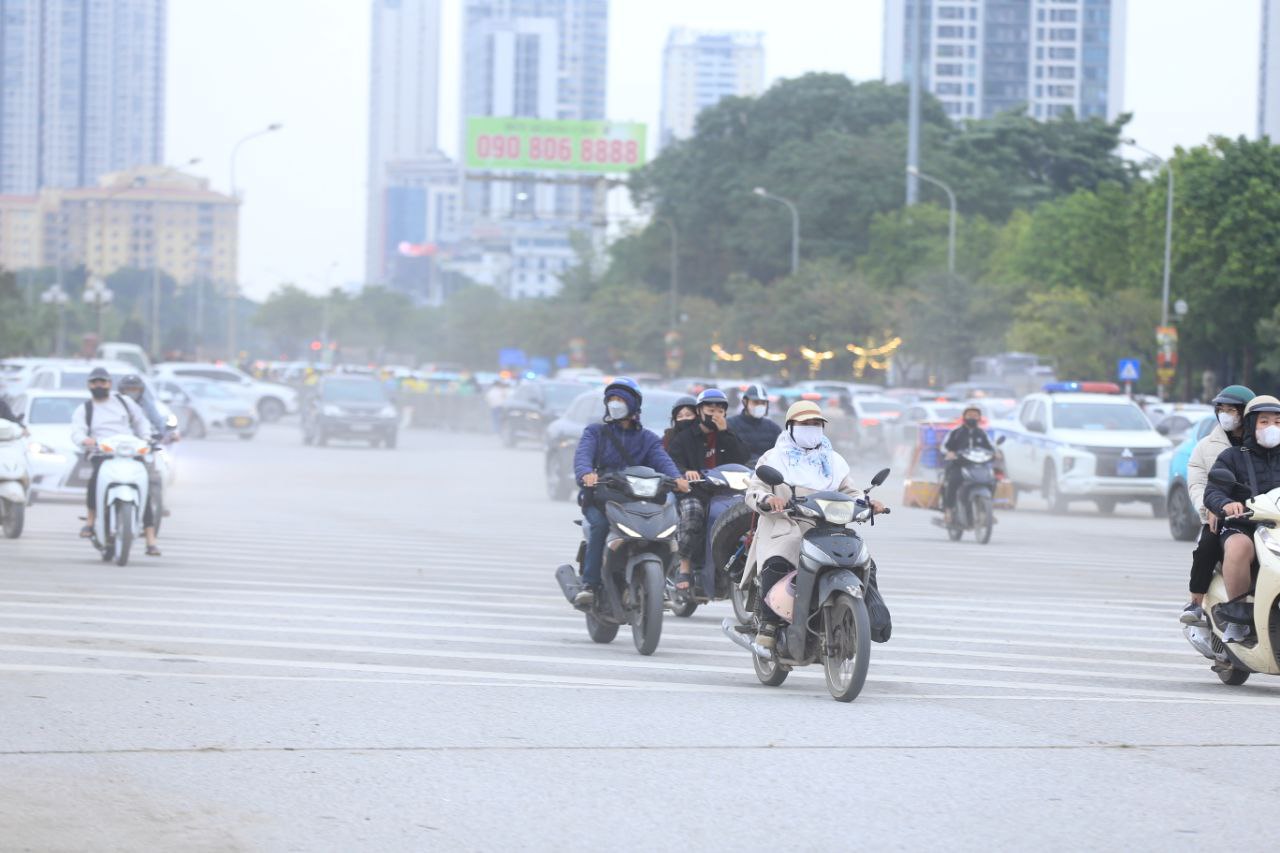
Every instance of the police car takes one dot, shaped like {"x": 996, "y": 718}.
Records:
{"x": 1078, "y": 441}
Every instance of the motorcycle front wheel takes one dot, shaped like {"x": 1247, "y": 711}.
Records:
{"x": 14, "y": 516}
{"x": 647, "y": 585}
{"x": 600, "y": 632}
{"x": 846, "y": 630}
{"x": 980, "y": 509}
{"x": 122, "y": 512}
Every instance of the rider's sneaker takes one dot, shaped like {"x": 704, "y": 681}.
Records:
{"x": 585, "y": 596}
{"x": 1192, "y": 614}
{"x": 1236, "y": 633}
{"x": 767, "y": 635}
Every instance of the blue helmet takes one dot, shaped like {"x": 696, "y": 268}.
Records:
{"x": 626, "y": 388}
{"x": 713, "y": 395}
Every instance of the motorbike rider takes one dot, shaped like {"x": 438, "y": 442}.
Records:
{"x": 618, "y": 442}
{"x": 804, "y": 456}
{"x": 134, "y": 388}
{"x": 968, "y": 436}
{"x": 709, "y": 444}
{"x": 683, "y": 414}
{"x": 102, "y": 416}
{"x": 1228, "y": 407}
{"x": 752, "y": 425}
{"x": 1255, "y": 464}
{"x": 7, "y": 414}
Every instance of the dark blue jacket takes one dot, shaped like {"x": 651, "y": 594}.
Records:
{"x": 758, "y": 434}
{"x": 597, "y": 453}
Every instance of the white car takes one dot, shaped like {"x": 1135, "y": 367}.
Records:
{"x": 1081, "y": 446}
{"x": 209, "y": 408}
{"x": 271, "y": 401}
{"x": 52, "y": 455}
{"x": 15, "y": 374}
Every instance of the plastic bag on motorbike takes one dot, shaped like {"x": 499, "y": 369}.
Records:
{"x": 881, "y": 621}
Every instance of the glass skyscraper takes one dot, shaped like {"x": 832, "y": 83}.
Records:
{"x": 83, "y": 90}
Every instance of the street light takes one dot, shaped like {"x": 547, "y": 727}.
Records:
{"x": 57, "y": 297}
{"x": 1168, "y": 227}
{"x": 231, "y": 286}
{"x": 97, "y": 294}
{"x": 951, "y": 229}
{"x": 795, "y": 225}
{"x": 675, "y": 260}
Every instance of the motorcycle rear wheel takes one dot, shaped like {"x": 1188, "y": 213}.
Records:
{"x": 1233, "y": 677}
{"x": 846, "y": 627}
{"x": 771, "y": 673}
{"x": 14, "y": 517}
{"x": 600, "y": 632}
{"x": 647, "y": 586}
{"x": 123, "y": 513}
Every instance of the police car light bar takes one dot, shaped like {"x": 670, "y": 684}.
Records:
{"x": 1081, "y": 388}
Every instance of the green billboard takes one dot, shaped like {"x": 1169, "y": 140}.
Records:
{"x": 543, "y": 145}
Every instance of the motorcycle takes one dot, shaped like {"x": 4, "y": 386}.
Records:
{"x": 832, "y": 585}
{"x": 718, "y": 573}
{"x": 15, "y": 479}
{"x": 1235, "y": 662}
{"x": 122, "y": 496}
{"x": 638, "y": 552}
{"x": 974, "y": 497}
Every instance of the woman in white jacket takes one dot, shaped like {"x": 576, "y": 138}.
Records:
{"x": 807, "y": 461}
{"x": 1228, "y": 406}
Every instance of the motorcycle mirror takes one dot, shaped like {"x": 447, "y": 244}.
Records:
{"x": 880, "y": 477}
{"x": 1000, "y": 440}
{"x": 771, "y": 476}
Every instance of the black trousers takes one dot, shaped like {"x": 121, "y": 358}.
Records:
{"x": 91, "y": 496}
{"x": 1207, "y": 555}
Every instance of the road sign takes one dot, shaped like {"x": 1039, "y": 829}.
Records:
{"x": 540, "y": 145}
{"x": 1166, "y": 374}
{"x": 1129, "y": 370}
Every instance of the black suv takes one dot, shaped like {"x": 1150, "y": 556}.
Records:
{"x": 351, "y": 407}
{"x": 532, "y": 406}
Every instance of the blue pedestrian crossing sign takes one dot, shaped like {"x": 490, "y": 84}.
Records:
{"x": 1129, "y": 369}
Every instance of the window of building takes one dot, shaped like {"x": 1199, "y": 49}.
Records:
{"x": 948, "y": 69}
{"x": 1062, "y": 16}
{"x": 1062, "y": 72}
{"x": 946, "y": 32}
{"x": 1067, "y": 53}
{"x": 1062, "y": 34}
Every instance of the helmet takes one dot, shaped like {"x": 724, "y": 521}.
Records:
{"x": 713, "y": 395}
{"x": 804, "y": 409}
{"x": 626, "y": 388}
{"x": 781, "y": 597}
{"x": 755, "y": 392}
{"x": 1262, "y": 403}
{"x": 99, "y": 373}
{"x": 685, "y": 402}
{"x": 130, "y": 382}
{"x": 1234, "y": 395}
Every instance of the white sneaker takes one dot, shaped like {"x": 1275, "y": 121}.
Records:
{"x": 1235, "y": 633}
{"x": 1192, "y": 614}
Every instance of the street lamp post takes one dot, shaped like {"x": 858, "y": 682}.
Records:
{"x": 675, "y": 275}
{"x": 951, "y": 229}
{"x": 97, "y": 294}
{"x": 57, "y": 297}
{"x": 231, "y": 285}
{"x": 795, "y": 225}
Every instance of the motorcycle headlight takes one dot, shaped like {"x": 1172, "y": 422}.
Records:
{"x": 664, "y": 534}
{"x": 643, "y": 487}
{"x": 628, "y": 531}
{"x": 171, "y": 422}
{"x": 39, "y": 449}
{"x": 838, "y": 512}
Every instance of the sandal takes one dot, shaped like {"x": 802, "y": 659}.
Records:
{"x": 153, "y": 551}
{"x": 685, "y": 578}
{"x": 86, "y": 532}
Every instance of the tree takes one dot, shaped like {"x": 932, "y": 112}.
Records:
{"x": 290, "y": 318}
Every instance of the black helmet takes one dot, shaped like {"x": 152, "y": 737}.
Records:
{"x": 755, "y": 392}
{"x": 131, "y": 382}
{"x": 685, "y": 402}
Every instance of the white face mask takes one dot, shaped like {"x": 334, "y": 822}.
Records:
{"x": 758, "y": 410}
{"x": 1228, "y": 420}
{"x": 1269, "y": 436}
{"x": 807, "y": 436}
{"x": 617, "y": 409}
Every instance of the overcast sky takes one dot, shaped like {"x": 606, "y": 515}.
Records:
{"x": 238, "y": 65}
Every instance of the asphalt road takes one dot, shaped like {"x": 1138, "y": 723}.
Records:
{"x": 352, "y": 649}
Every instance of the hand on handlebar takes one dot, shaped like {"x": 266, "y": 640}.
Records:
{"x": 949, "y": 456}
{"x": 590, "y": 479}
{"x": 692, "y": 476}
{"x": 90, "y": 442}
{"x": 776, "y": 504}
{"x": 1235, "y": 510}
{"x": 682, "y": 484}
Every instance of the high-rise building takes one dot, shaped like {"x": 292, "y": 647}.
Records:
{"x": 404, "y": 98}
{"x": 701, "y": 68}
{"x": 1269, "y": 72}
{"x": 530, "y": 59}
{"x": 983, "y": 57}
{"x": 82, "y": 92}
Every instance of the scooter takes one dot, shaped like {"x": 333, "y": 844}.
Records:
{"x": 728, "y": 518}
{"x": 1235, "y": 662}
{"x": 639, "y": 549}
{"x": 122, "y": 495}
{"x": 975, "y": 495}
{"x": 830, "y": 586}
{"x": 15, "y": 479}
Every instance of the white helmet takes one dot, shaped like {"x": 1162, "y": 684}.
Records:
{"x": 781, "y": 597}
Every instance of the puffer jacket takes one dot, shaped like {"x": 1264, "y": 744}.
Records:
{"x": 688, "y": 449}
{"x": 597, "y": 453}
{"x": 1203, "y": 456}
{"x": 757, "y": 434}
{"x": 1237, "y": 462}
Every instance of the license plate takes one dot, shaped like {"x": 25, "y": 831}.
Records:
{"x": 1126, "y": 467}
{"x": 241, "y": 422}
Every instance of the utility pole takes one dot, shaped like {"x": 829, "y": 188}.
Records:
{"x": 915, "y": 17}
